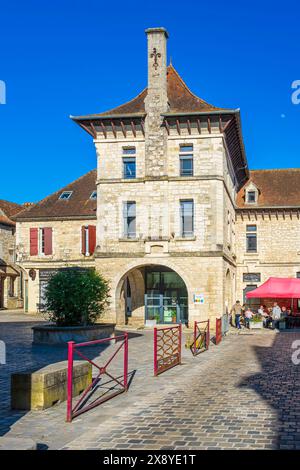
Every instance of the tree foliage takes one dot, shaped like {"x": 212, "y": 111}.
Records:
{"x": 75, "y": 298}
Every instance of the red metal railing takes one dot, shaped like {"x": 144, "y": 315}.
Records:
{"x": 167, "y": 348}
{"x": 218, "y": 330}
{"x": 201, "y": 337}
{"x": 79, "y": 408}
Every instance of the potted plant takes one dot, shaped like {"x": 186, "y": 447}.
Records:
{"x": 75, "y": 300}
{"x": 256, "y": 322}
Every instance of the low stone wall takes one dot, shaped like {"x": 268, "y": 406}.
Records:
{"x": 54, "y": 335}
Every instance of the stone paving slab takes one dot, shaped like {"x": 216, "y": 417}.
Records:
{"x": 241, "y": 394}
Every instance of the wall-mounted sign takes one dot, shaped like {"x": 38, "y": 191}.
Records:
{"x": 198, "y": 298}
{"x": 251, "y": 277}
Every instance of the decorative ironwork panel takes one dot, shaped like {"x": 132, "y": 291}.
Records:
{"x": 167, "y": 348}
{"x": 201, "y": 337}
{"x": 218, "y": 330}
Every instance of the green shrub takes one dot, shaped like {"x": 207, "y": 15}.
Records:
{"x": 75, "y": 298}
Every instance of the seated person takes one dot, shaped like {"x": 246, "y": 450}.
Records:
{"x": 265, "y": 315}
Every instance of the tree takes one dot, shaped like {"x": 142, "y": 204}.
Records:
{"x": 75, "y": 297}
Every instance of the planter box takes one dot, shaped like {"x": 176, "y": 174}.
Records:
{"x": 55, "y": 335}
{"x": 282, "y": 325}
{"x": 150, "y": 323}
{"x": 255, "y": 325}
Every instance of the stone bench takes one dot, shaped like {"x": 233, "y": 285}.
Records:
{"x": 43, "y": 388}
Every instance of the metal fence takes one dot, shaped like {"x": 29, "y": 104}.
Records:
{"x": 83, "y": 404}
{"x": 218, "y": 337}
{"x": 167, "y": 348}
{"x": 225, "y": 324}
{"x": 201, "y": 337}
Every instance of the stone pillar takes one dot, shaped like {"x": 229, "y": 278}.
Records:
{"x": 156, "y": 103}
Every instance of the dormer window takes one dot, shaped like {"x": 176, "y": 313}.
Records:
{"x": 251, "y": 193}
{"x": 251, "y": 197}
{"x": 93, "y": 196}
{"x": 66, "y": 195}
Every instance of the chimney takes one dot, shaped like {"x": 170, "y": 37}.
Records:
{"x": 156, "y": 102}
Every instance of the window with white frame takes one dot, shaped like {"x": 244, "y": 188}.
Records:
{"x": 187, "y": 218}
{"x": 129, "y": 219}
{"x": 66, "y": 195}
{"x": 186, "y": 158}
{"x": 251, "y": 238}
{"x": 251, "y": 197}
{"x": 129, "y": 162}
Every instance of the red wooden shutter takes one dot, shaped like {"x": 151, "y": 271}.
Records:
{"x": 33, "y": 241}
{"x": 48, "y": 240}
{"x": 92, "y": 239}
{"x": 83, "y": 240}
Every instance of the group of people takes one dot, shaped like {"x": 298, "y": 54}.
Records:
{"x": 241, "y": 314}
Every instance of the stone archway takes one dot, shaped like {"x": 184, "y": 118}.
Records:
{"x": 136, "y": 277}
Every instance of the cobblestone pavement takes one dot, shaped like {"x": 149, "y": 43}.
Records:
{"x": 241, "y": 394}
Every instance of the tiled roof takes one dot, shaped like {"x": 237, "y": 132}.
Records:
{"x": 79, "y": 205}
{"x": 277, "y": 188}
{"x": 181, "y": 100}
{"x": 7, "y": 210}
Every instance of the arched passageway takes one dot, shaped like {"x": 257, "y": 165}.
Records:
{"x": 151, "y": 292}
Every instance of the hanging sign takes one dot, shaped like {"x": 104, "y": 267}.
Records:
{"x": 198, "y": 298}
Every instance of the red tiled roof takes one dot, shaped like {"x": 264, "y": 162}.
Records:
{"x": 277, "y": 188}
{"x": 7, "y": 210}
{"x": 181, "y": 100}
{"x": 79, "y": 205}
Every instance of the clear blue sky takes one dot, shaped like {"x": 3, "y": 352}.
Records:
{"x": 73, "y": 57}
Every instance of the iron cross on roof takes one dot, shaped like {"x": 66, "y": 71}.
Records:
{"x": 156, "y": 55}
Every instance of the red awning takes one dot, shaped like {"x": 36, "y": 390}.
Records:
{"x": 277, "y": 288}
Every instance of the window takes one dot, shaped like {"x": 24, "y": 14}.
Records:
{"x": 40, "y": 241}
{"x": 251, "y": 197}
{"x": 251, "y": 239}
{"x": 129, "y": 151}
{"x": 93, "y": 196}
{"x": 186, "y": 160}
{"x": 11, "y": 286}
{"x": 129, "y": 215}
{"x": 66, "y": 195}
{"x": 298, "y": 275}
{"x": 88, "y": 239}
{"x": 187, "y": 218}
{"x": 129, "y": 170}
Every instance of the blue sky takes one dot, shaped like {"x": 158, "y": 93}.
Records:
{"x": 72, "y": 57}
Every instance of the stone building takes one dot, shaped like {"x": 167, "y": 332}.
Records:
{"x": 11, "y": 285}
{"x": 182, "y": 227}
{"x": 169, "y": 167}
{"x": 268, "y": 229}
{"x": 58, "y": 232}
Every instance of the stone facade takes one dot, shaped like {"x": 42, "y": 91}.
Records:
{"x": 66, "y": 242}
{"x": 278, "y": 246}
{"x": 10, "y": 279}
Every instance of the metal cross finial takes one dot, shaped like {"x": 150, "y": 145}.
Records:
{"x": 156, "y": 55}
